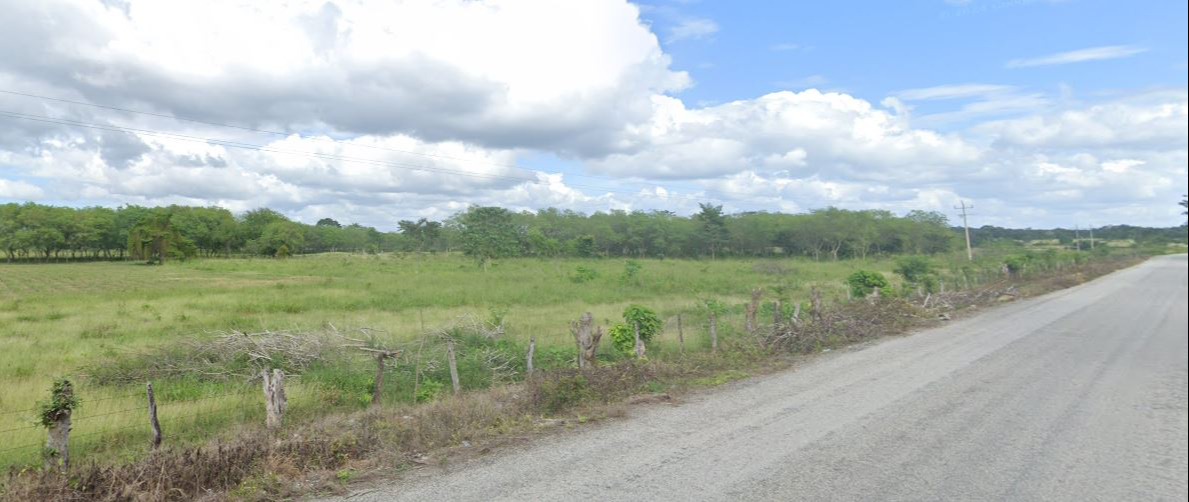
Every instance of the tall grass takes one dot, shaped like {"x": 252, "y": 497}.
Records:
{"x": 65, "y": 319}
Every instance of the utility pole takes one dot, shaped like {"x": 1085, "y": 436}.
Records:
{"x": 1091, "y": 238}
{"x": 1077, "y": 237}
{"x": 964, "y": 207}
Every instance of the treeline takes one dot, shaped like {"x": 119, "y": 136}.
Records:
{"x": 1066, "y": 236}
{"x": 39, "y": 232}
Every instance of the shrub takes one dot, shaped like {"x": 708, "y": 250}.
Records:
{"x": 863, "y": 282}
{"x": 914, "y": 269}
{"x": 582, "y": 274}
{"x": 1015, "y": 263}
{"x": 631, "y": 269}
{"x": 562, "y": 391}
{"x": 623, "y": 335}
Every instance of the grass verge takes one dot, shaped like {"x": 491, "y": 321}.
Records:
{"x": 327, "y": 454}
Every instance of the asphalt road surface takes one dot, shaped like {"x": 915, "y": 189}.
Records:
{"x": 1077, "y": 395}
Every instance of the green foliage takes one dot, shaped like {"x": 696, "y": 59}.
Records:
{"x": 1015, "y": 263}
{"x": 631, "y": 269}
{"x": 583, "y": 274}
{"x": 429, "y": 389}
{"x": 563, "y": 391}
{"x": 918, "y": 271}
{"x": 623, "y": 335}
{"x": 488, "y": 233}
{"x": 913, "y": 268}
{"x": 713, "y": 233}
{"x": 282, "y": 251}
{"x": 863, "y": 282}
{"x": 62, "y": 402}
{"x": 496, "y": 315}
{"x": 715, "y": 306}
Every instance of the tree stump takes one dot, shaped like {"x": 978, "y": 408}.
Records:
{"x": 586, "y": 337}
{"x": 56, "y": 418}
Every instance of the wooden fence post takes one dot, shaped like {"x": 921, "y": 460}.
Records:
{"x": 57, "y": 420}
{"x": 528, "y": 358}
{"x": 274, "y": 397}
{"x": 751, "y": 309}
{"x": 417, "y": 365}
{"x": 797, "y": 313}
{"x": 450, "y": 359}
{"x": 680, "y": 335}
{"x": 713, "y": 332}
{"x": 639, "y": 344}
{"x": 777, "y": 313}
{"x": 153, "y": 423}
{"x": 378, "y": 387}
{"x": 815, "y": 304}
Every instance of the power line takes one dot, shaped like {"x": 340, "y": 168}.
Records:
{"x": 323, "y": 156}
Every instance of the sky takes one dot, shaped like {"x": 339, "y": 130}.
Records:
{"x": 1038, "y": 113}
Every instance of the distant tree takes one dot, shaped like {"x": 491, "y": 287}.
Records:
{"x": 328, "y": 222}
{"x": 713, "y": 231}
{"x": 488, "y": 233}
{"x": 277, "y": 234}
{"x": 423, "y": 232}
{"x": 155, "y": 238}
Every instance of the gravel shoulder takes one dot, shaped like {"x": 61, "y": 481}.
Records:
{"x": 1076, "y": 395}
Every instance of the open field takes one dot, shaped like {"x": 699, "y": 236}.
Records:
{"x": 86, "y": 318}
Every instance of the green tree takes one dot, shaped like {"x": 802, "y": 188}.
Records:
{"x": 488, "y": 233}
{"x": 713, "y": 229}
{"x": 154, "y": 238}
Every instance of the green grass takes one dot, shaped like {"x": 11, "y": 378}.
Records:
{"x": 58, "y": 319}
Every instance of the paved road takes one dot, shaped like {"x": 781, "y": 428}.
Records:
{"x": 1078, "y": 395}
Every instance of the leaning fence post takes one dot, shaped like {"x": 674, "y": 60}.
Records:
{"x": 713, "y": 332}
{"x": 528, "y": 358}
{"x": 156, "y": 426}
{"x": 453, "y": 365}
{"x": 56, "y": 417}
{"x": 274, "y": 397}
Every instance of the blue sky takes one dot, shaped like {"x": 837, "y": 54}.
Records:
{"x": 876, "y": 49}
{"x": 1042, "y": 113}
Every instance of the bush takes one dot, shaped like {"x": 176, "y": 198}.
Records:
{"x": 582, "y": 274}
{"x": 630, "y": 270}
{"x": 1015, "y": 263}
{"x": 562, "y": 391}
{"x": 863, "y": 282}
{"x": 914, "y": 269}
{"x": 623, "y": 335}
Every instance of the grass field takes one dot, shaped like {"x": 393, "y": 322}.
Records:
{"x": 63, "y": 320}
